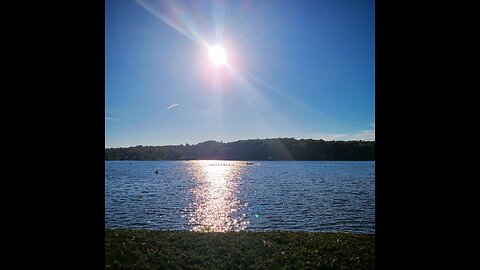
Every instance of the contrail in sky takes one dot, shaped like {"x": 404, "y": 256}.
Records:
{"x": 171, "y": 106}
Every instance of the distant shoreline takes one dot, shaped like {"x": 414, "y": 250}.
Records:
{"x": 252, "y": 150}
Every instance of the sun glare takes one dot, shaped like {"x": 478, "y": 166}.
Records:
{"x": 218, "y": 56}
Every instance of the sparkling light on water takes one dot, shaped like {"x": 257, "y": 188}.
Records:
{"x": 216, "y": 207}
{"x": 233, "y": 195}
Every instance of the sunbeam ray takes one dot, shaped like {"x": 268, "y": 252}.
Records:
{"x": 178, "y": 19}
{"x": 290, "y": 98}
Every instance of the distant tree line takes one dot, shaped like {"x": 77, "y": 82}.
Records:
{"x": 259, "y": 149}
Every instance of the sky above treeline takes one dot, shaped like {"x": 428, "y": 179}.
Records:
{"x": 181, "y": 72}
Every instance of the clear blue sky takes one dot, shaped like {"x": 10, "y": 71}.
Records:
{"x": 303, "y": 69}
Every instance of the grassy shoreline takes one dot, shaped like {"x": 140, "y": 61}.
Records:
{"x": 148, "y": 249}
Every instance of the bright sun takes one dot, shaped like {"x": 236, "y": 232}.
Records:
{"x": 218, "y": 56}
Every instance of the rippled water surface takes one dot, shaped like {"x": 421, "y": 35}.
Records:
{"x": 235, "y": 195}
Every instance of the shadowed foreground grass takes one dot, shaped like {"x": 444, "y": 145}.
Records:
{"x": 140, "y": 249}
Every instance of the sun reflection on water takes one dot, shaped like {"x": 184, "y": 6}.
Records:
{"x": 216, "y": 206}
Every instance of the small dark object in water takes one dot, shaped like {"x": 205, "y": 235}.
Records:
{"x": 156, "y": 172}
{"x": 250, "y": 163}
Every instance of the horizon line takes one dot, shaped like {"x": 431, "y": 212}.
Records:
{"x": 242, "y": 140}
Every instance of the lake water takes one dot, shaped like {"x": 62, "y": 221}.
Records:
{"x": 233, "y": 195}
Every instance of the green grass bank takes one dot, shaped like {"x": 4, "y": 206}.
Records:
{"x": 146, "y": 249}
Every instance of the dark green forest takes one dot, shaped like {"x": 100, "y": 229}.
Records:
{"x": 259, "y": 149}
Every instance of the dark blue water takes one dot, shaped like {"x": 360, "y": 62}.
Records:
{"x": 232, "y": 195}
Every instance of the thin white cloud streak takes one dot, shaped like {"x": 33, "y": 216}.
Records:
{"x": 111, "y": 119}
{"x": 171, "y": 106}
{"x": 363, "y": 135}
